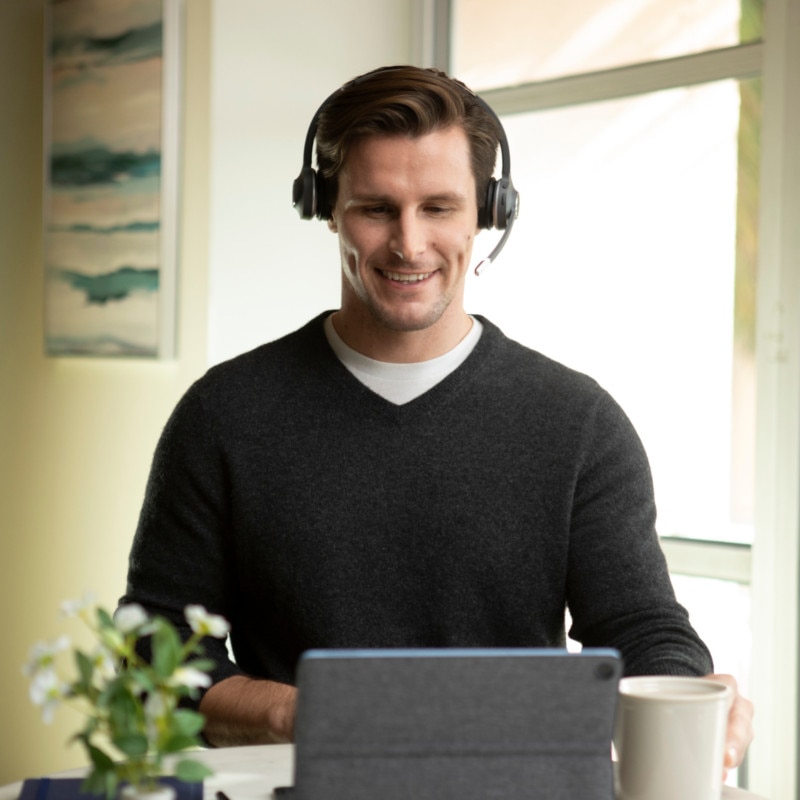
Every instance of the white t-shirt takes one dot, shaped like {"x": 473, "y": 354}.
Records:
{"x": 400, "y": 383}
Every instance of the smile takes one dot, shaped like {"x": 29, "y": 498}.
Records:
{"x": 403, "y": 277}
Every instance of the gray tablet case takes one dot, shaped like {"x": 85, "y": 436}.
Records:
{"x": 455, "y": 724}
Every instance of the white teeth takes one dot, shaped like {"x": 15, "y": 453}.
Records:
{"x": 405, "y": 278}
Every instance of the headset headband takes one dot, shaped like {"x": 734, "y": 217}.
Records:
{"x": 501, "y": 205}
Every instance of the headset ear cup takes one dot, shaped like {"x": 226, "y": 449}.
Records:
{"x": 486, "y": 213}
{"x": 304, "y": 194}
{"x": 505, "y": 203}
{"x": 323, "y": 208}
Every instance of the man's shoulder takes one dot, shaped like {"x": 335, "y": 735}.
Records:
{"x": 540, "y": 388}
{"x": 524, "y": 363}
{"x": 296, "y": 346}
{"x": 266, "y": 367}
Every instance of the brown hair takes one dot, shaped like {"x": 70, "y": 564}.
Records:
{"x": 409, "y": 101}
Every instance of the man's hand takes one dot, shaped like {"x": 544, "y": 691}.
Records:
{"x": 242, "y": 710}
{"x": 740, "y": 725}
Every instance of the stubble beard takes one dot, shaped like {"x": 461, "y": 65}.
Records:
{"x": 409, "y": 316}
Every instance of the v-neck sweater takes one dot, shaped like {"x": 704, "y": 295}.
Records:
{"x": 311, "y": 512}
{"x": 401, "y": 382}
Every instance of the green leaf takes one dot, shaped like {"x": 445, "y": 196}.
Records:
{"x": 94, "y": 783}
{"x": 100, "y": 783}
{"x": 111, "y": 781}
{"x": 176, "y": 743}
{"x": 186, "y": 722}
{"x": 85, "y": 668}
{"x": 104, "y": 618}
{"x": 192, "y": 771}
{"x": 132, "y": 744}
{"x": 166, "y": 649}
{"x": 142, "y": 678}
{"x": 124, "y": 710}
{"x": 101, "y": 761}
{"x": 85, "y": 736}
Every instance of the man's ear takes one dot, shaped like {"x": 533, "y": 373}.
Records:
{"x": 332, "y": 226}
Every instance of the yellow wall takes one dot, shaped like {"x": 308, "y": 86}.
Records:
{"x": 76, "y": 435}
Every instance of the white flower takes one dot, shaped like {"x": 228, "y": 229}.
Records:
{"x": 156, "y": 710}
{"x": 206, "y": 624}
{"x": 155, "y": 707}
{"x": 191, "y": 677}
{"x": 103, "y": 662}
{"x": 43, "y": 654}
{"x": 118, "y": 689}
{"x": 47, "y": 691}
{"x": 73, "y": 608}
{"x": 130, "y": 617}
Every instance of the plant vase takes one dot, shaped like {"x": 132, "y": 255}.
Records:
{"x": 159, "y": 791}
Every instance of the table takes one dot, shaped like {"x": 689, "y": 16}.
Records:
{"x": 250, "y": 773}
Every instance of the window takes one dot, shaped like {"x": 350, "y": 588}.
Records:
{"x": 645, "y": 160}
{"x": 513, "y": 43}
{"x": 623, "y": 266}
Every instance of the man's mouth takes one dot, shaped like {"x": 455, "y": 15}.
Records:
{"x": 405, "y": 277}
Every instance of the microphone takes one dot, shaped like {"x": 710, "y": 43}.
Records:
{"x": 501, "y": 244}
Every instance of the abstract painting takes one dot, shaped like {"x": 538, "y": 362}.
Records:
{"x": 110, "y": 200}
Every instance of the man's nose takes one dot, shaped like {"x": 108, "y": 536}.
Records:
{"x": 408, "y": 237}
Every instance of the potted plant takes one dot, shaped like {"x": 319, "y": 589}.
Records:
{"x": 132, "y": 706}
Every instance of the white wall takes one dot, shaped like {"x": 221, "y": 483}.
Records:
{"x": 274, "y": 64}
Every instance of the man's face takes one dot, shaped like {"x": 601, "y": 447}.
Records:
{"x": 406, "y": 215}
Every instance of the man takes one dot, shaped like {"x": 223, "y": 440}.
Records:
{"x": 398, "y": 473}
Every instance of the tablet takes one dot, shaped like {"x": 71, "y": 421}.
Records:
{"x": 455, "y": 724}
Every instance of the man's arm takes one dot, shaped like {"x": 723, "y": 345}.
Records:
{"x": 241, "y": 711}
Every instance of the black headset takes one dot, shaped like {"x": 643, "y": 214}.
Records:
{"x": 500, "y": 209}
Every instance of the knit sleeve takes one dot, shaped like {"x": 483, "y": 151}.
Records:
{"x": 619, "y": 590}
{"x": 179, "y": 554}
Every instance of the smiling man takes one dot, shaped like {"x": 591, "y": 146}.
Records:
{"x": 398, "y": 473}
{"x": 406, "y": 214}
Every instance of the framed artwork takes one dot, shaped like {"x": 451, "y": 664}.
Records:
{"x": 112, "y": 119}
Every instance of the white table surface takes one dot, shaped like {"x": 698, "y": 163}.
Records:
{"x": 251, "y": 773}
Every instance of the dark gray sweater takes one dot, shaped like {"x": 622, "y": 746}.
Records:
{"x": 311, "y": 512}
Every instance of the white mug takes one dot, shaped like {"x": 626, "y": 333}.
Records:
{"x": 669, "y": 738}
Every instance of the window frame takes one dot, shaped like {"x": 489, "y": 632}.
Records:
{"x": 772, "y": 564}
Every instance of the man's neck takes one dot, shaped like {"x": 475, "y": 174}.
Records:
{"x": 402, "y": 347}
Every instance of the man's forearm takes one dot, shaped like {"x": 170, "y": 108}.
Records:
{"x": 242, "y": 711}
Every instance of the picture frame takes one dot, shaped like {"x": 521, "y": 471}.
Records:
{"x": 112, "y": 120}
